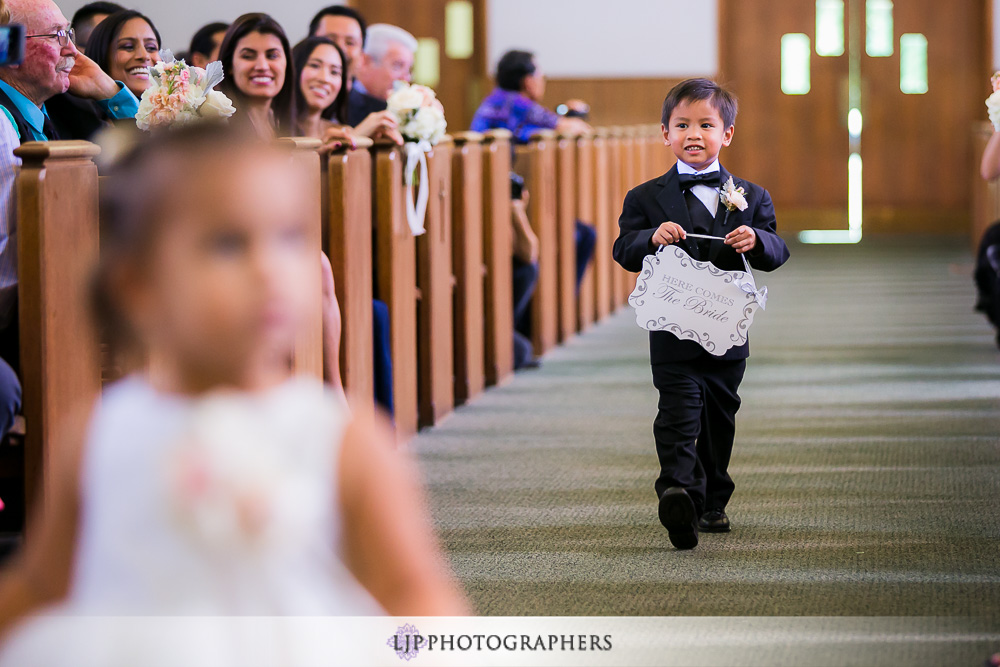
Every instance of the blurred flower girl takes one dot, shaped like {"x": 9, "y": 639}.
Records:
{"x": 220, "y": 486}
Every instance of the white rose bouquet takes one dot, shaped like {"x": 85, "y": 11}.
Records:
{"x": 179, "y": 94}
{"x": 421, "y": 122}
{"x": 418, "y": 112}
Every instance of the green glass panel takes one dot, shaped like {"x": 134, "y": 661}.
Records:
{"x": 427, "y": 62}
{"x": 458, "y": 29}
{"x": 913, "y": 63}
{"x": 829, "y": 27}
{"x": 878, "y": 28}
{"x": 795, "y": 63}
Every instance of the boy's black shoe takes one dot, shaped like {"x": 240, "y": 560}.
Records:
{"x": 678, "y": 516}
{"x": 714, "y": 521}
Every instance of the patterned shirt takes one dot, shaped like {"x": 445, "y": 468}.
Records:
{"x": 511, "y": 110}
{"x": 122, "y": 105}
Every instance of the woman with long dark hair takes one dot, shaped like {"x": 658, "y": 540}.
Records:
{"x": 260, "y": 75}
{"x": 126, "y": 45}
{"x": 320, "y": 96}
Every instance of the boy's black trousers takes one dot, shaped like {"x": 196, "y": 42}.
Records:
{"x": 695, "y": 426}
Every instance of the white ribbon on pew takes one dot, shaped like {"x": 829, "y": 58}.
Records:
{"x": 416, "y": 154}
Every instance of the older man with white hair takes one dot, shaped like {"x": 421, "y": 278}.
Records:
{"x": 388, "y": 57}
{"x": 52, "y": 65}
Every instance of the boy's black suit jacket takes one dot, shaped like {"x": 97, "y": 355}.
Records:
{"x": 661, "y": 200}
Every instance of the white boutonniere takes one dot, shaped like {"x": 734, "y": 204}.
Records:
{"x": 733, "y": 197}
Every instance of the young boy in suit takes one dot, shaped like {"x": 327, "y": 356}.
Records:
{"x": 696, "y": 421}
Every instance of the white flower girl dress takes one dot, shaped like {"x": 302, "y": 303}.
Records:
{"x": 211, "y": 507}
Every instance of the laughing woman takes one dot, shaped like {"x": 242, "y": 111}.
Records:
{"x": 260, "y": 78}
{"x": 125, "y": 45}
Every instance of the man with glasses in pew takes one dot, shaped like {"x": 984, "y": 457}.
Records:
{"x": 51, "y": 65}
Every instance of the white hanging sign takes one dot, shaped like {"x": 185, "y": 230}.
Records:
{"x": 696, "y": 300}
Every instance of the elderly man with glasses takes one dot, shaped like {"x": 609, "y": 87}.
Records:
{"x": 52, "y": 65}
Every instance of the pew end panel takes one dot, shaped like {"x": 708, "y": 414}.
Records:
{"x": 58, "y": 246}
{"x": 566, "y": 203}
{"x": 396, "y": 272}
{"x": 469, "y": 267}
{"x": 536, "y": 162}
{"x": 498, "y": 254}
{"x": 348, "y": 243}
{"x": 631, "y": 174}
{"x": 435, "y": 284}
{"x": 616, "y": 178}
{"x": 585, "y": 206}
{"x": 606, "y": 224}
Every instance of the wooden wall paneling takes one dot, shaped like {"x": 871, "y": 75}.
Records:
{"x": 498, "y": 254}
{"x": 395, "y": 262}
{"x": 585, "y": 211}
{"x": 463, "y": 82}
{"x": 537, "y": 163}
{"x": 605, "y": 222}
{"x": 629, "y": 101}
{"x": 57, "y": 219}
{"x": 916, "y": 179}
{"x": 435, "y": 281}
{"x": 349, "y": 246}
{"x": 470, "y": 270}
{"x": 804, "y": 166}
{"x": 308, "y": 354}
{"x": 566, "y": 179}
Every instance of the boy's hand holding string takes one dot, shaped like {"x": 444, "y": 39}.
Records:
{"x": 742, "y": 239}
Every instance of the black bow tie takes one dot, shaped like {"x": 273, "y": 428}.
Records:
{"x": 688, "y": 181}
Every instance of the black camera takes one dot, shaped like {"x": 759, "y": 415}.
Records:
{"x": 11, "y": 44}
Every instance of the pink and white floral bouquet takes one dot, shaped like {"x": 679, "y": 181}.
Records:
{"x": 180, "y": 94}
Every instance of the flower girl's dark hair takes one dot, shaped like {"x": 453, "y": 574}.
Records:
{"x": 283, "y": 104}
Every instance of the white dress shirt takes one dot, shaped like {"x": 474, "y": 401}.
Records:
{"x": 708, "y": 195}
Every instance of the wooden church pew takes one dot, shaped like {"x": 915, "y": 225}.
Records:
{"x": 308, "y": 354}
{"x": 616, "y": 197}
{"x": 348, "y": 242}
{"x": 435, "y": 368}
{"x": 467, "y": 262}
{"x": 586, "y": 189}
{"x": 536, "y": 162}
{"x": 396, "y": 271}
{"x": 566, "y": 203}
{"x": 58, "y": 245}
{"x": 497, "y": 254}
{"x": 630, "y": 175}
{"x": 606, "y": 224}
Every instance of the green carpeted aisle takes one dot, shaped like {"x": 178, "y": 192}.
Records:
{"x": 867, "y": 460}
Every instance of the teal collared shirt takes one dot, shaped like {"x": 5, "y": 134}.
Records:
{"x": 122, "y": 105}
